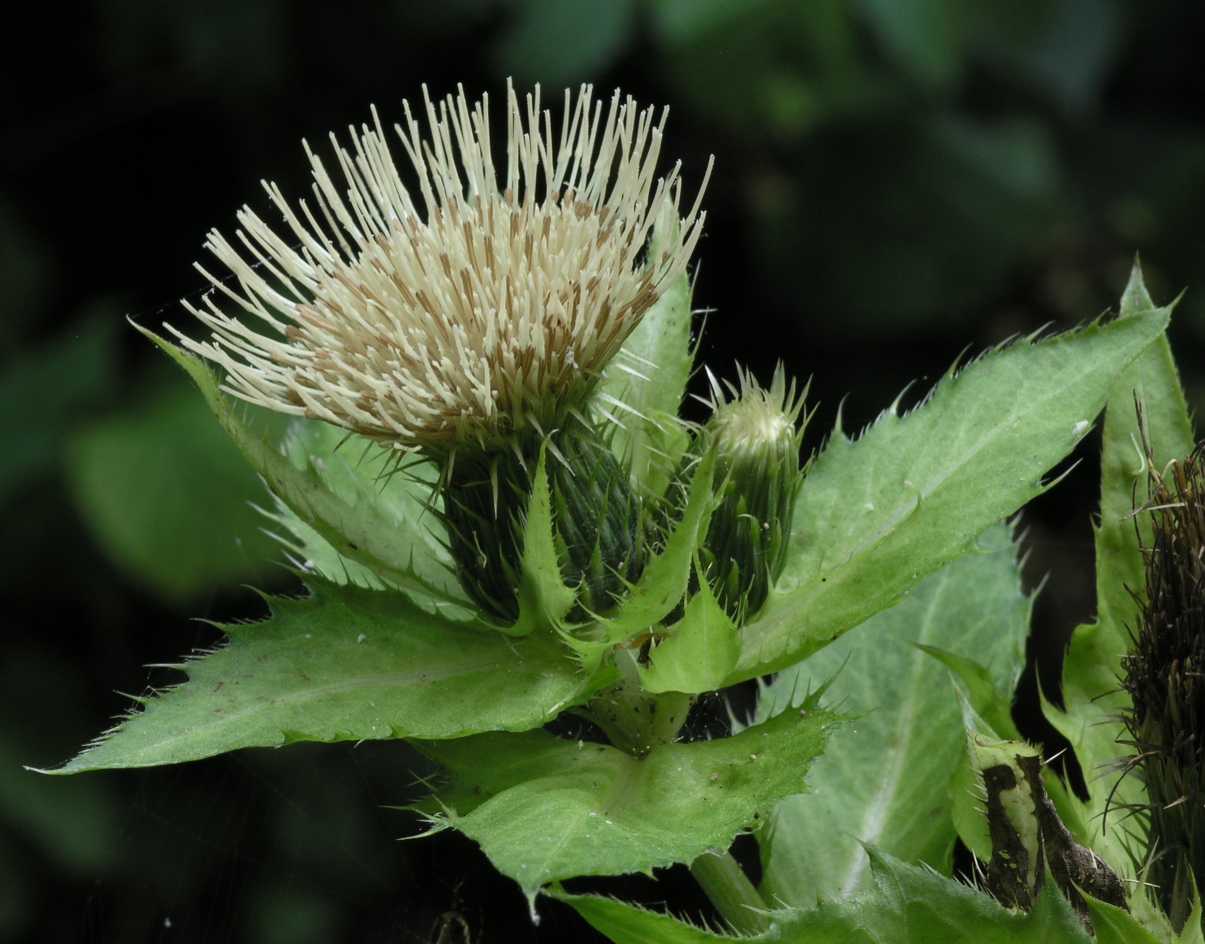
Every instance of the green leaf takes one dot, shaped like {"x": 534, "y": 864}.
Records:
{"x": 1093, "y": 699}
{"x": 884, "y": 781}
{"x": 343, "y": 664}
{"x": 906, "y": 904}
{"x": 545, "y": 809}
{"x": 879, "y": 513}
{"x": 1154, "y": 381}
{"x": 698, "y": 652}
{"x": 312, "y": 553}
{"x": 1192, "y": 933}
{"x": 168, "y": 497}
{"x": 967, "y": 807}
{"x": 987, "y": 698}
{"x": 365, "y": 477}
{"x": 1146, "y": 913}
{"x": 1115, "y": 926}
{"x": 631, "y": 924}
{"x": 388, "y": 530}
{"x": 648, "y": 379}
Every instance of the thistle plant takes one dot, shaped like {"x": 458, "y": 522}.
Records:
{"x": 471, "y": 325}
{"x": 506, "y": 532}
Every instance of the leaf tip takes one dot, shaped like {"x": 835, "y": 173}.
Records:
{"x": 1135, "y": 297}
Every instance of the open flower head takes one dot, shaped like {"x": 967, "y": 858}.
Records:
{"x": 476, "y": 302}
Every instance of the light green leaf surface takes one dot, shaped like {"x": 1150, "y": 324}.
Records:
{"x": 987, "y": 697}
{"x": 624, "y": 923}
{"x": 967, "y": 808}
{"x": 1193, "y": 932}
{"x": 365, "y": 478}
{"x": 545, "y": 809}
{"x": 649, "y": 378}
{"x": 986, "y": 720}
{"x": 312, "y": 553}
{"x": 885, "y": 779}
{"x": 1116, "y": 926}
{"x": 1091, "y": 693}
{"x": 387, "y": 529}
{"x": 168, "y": 497}
{"x": 879, "y": 513}
{"x": 906, "y": 904}
{"x": 343, "y": 664}
{"x": 698, "y": 652}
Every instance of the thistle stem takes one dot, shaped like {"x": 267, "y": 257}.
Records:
{"x": 633, "y": 719}
{"x": 636, "y": 722}
{"x": 729, "y": 889}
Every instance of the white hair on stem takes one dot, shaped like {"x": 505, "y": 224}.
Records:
{"x": 473, "y": 309}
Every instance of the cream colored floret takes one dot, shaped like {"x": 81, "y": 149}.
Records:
{"x": 487, "y": 301}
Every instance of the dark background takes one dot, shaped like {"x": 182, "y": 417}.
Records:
{"x": 894, "y": 181}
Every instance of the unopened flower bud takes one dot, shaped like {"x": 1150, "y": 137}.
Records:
{"x": 1165, "y": 678}
{"x": 756, "y": 433}
{"x": 597, "y": 520}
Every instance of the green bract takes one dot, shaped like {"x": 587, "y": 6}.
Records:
{"x": 756, "y": 437}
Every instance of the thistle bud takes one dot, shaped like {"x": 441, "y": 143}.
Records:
{"x": 756, "y": 433}
{"x": 1165, "y": 678}
{"x": 597, "y": 520}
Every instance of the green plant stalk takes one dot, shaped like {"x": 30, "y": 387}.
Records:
{"x": 635, "y": 720}
{"x": 729, "y": 889}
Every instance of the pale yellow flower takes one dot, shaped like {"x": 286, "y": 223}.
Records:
{"x": 480, "y": 301}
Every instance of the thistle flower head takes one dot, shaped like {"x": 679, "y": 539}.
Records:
{"x": 481, "y": 301}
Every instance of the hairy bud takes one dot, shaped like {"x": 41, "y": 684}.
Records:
{"x": 756, "y": 433}
{"x": 1165, "y": 677}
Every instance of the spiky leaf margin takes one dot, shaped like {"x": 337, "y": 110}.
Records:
{"x": 1092, "y": 695}
{"x": 879, "y": 513}
{"x": 343, "y": 664}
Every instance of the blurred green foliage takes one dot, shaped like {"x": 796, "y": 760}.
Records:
{"x": 168, "y": 496}
{"x": 895, "y": 179}
{"x": 43, "y": 392}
